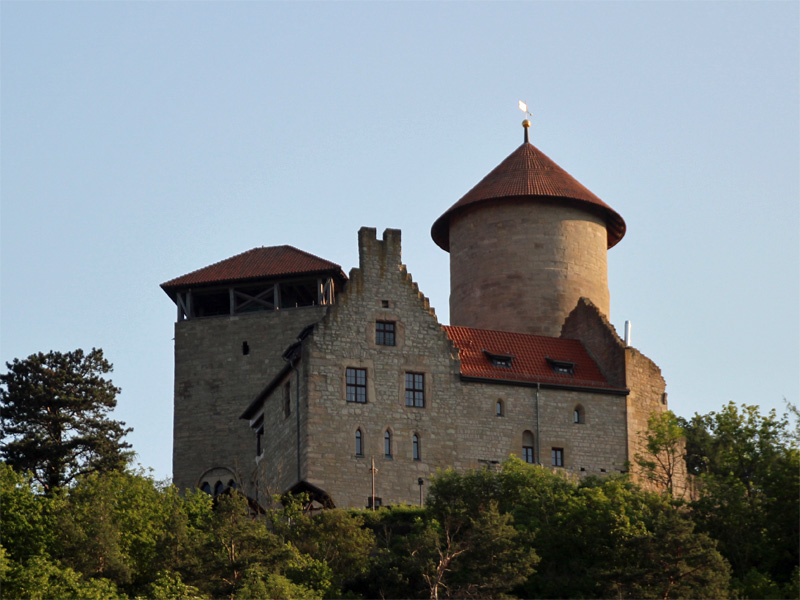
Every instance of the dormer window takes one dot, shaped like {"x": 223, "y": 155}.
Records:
{"x": 499, "y": 360}
{"x": 561, "y": 367}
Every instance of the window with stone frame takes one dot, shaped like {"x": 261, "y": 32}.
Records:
{"x": 416, "y": 452}
{"x": 415, "y": 390}
{"x": 385, "y": 333}
{"x": 527, "y": 447}
{"x": 499, "y": 409}
{"x": 359, "y": 443}
{"x": 387, "y": 444}
{"x": 356, "y": 385}
{"x": 558, "y": 457}
{"x": 578, "y": 415}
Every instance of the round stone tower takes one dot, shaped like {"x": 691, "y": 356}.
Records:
{"x": 525, "y": 244}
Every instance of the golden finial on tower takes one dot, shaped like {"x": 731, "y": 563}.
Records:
{"x": 526, "y": 123}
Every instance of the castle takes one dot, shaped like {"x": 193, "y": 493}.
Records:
{"x": 292, "y": 376}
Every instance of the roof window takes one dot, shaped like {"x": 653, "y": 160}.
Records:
{"x": 561, "y": 367}
{"x": 499, "y": 360}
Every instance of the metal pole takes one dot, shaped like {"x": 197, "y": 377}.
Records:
{"x": 538, "y": 447}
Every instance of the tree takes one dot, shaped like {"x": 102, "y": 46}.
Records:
{"x": 54, "y": 417}
{"x": 663, "y": 463}
{"x": 748, "y": 465}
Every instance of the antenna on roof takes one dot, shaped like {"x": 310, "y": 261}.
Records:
{"x": 526, "y": 123}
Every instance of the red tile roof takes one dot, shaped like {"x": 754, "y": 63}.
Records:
{"x": 530, "y": 354}
{"x": 271, "y": 262}
{"x": 528, "y": 172}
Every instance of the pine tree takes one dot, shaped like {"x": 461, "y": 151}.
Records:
{"x": 54, "y": 417}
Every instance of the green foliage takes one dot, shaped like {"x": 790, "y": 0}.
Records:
{"x": 522, "y": 531}
{"x": 53, "y": 412}
{"x": 26, "y": 519}
{"x": 748, "y": 465}
{"x": 39, "y": 578}
{"x": 664, "y": 458}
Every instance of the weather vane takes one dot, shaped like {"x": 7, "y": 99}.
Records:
{"x": 526, "y": 123}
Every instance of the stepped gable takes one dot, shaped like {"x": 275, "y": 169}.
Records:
{"x": 527, "y": 173}
{"x": 258, "y": 263}
{"x": 531, "y": 358}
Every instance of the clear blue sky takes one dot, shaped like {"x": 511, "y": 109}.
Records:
{"x": 143, "y": 140}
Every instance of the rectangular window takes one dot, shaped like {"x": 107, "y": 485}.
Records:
{"x": 558, "y": 457}
{"x": 384, "y": 333}
{"x": 287, "y": 399}
{"x": 415, "y": 390}
{"x": 259, "y": 435}
{"x": 356, "y": 383}
{"x": 527, "y": 454}
{"x": 378, "y": 502}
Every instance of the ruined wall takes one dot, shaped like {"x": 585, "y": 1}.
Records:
{"x": 215, "y": 382}
{"x": 589, "y": 325}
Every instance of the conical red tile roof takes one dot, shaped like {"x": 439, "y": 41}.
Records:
{"x": 264, "y": 262}
{"x": 529, "y": 173}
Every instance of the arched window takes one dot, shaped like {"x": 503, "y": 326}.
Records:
{"x": 387, "y": 444}
{"x": 232, "y": 484}
{"x": 206, "y": 487}
{"x": 415, "y": 450}
{"x": 359, "y": 443}
{"x": 578, "y": 415}
{"x": 527, "y": 447}
{"x": 218, "y": 488}
{"x": 498, "y": 408}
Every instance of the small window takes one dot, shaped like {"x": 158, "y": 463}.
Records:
{"x": 359, "y": 443}
{"x": 415, "y": 390}
{"x": 287, "y": 399}
{"x": 498, "y": 408}
{"x": 558, "y": 457}
{"x": 378, "y": 502}
{"x": 206, "y": 488}
{"x": 527, "y": 447}
{"x": 245, "y": 348}
{"x": 356, "y": 380}
{"x": 259, "y": 436}
{"x": 384, "y": 333}
{"x": 499, "y": 360}
{"x": 387, "y": 444}
{"x": 415, "y": 449}
{"x": 578, "y": 415}
{"x": 561, "y": 367}
{"x": 232, "y": 484}
{"x": 218, "y": 488}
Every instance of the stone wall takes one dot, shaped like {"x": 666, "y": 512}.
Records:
{"x": 458, "y": 426}
{"x": 589, "y": 325}
{"x": 215, "y": 381}
{"x": 522, "y": 265}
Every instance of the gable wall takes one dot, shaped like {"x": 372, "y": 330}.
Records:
{"x": 458, "y": 427}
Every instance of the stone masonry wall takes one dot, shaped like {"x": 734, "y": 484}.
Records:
{"x": 215, "y": 382}
{"x": 587, "y": 324}
{"x": 522, "y": 265}
{"x": 458, "y": 427}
